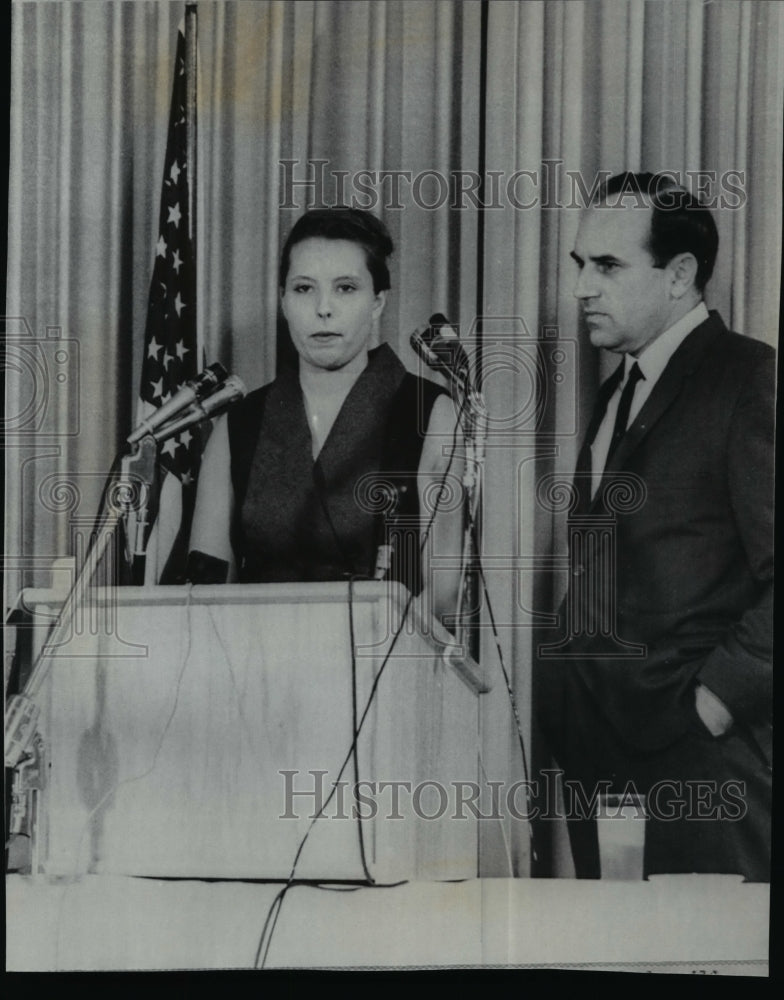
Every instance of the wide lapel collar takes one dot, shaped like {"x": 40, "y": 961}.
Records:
{"x": 353, "y": 443}
{"x": 284, "y": 448}
{"x": 669, "y": 386}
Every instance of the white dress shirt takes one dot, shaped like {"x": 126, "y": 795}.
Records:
{"x": 652, "y": 362}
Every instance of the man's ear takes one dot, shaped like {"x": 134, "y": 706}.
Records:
{"x": 381, "y": 301}
{"x": 683, "y": 273}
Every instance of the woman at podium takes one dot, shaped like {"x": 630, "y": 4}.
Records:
{"x": 347, "y": 465}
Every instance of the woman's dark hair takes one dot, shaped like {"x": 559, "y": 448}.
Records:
{"x": 340, "y": 223}
{"x": 680, "y": 223}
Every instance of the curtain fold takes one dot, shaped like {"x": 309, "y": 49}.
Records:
{"x": 510, "y": 318}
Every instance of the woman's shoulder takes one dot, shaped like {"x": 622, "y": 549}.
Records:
{"x": 246, "y": 410}
{"x": 250, "y": 409}
{"x": 419, "y": 396}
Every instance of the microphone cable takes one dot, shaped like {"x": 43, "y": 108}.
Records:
{"x": 507, "y": 680}
{"x": 273, "y": 914}
{"x": 355, "y": 726}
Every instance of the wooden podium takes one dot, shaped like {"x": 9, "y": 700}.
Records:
{"x": 194, "y": 733}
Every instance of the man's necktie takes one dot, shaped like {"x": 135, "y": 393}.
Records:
{"x": 624, "y": 406}
{"x": 600, "y": 408}
{"x": 583, "y": 467}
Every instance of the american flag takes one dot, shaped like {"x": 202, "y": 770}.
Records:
{"x": 171, "y": 353}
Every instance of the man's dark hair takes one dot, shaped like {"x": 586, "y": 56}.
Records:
{"x": 340, "y": 223}
{"x": 680, "y": 223}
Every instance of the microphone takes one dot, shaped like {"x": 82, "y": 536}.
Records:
{"x": 205, "y": 383}
{"x": 445, "y": 344}
{"x": 232, "y": 390}
{"x": 420, "y": 346}
{"x": 439, "y": 347}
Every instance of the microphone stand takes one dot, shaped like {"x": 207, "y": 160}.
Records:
{"x": 474, "y": 420}
{"x": 25, "y": 749}
{"x": 136, "y": 479}
{"x": 140, "y": 468}
{"x": 133, "y": 492}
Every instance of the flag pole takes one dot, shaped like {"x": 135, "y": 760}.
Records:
{"x": 191, "y": 120}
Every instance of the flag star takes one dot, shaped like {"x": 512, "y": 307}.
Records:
{"x": 174, "y": 214}
{"x": 181, "y": 349}
{"x": 153, "y": 348}
{"x": 167, "y": 359}
{"x": 186, "y": 438}
{"x": 186, "y": 479}
{"x": 176, "y": 261}
{"x": 178, "y": 304}
{"x": 169, "y": 447}
{"x": 174, "y": 173}
{"x": 157, "y": 388}
{"x": 160, "y": 248}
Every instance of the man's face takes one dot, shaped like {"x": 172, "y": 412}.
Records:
{"x": 624, "y": 298}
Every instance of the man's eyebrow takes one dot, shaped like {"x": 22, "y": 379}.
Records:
{"x": 605, "y": 258}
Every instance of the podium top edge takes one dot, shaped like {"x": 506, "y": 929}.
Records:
{"x": 368, "y": 592}
{"x": 226, "y": 593}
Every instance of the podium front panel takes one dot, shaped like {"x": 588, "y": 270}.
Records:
{"x": 196, "y": 732}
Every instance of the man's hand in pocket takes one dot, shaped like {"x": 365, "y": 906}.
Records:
{"x": 715, "y": 715}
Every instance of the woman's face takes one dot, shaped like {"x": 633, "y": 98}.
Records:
{"x": 330, "y": 304}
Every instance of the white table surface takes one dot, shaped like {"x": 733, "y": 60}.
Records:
{"x": 706, "y": 924}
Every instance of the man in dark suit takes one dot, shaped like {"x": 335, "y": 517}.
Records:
{"x": 660, "y": 679}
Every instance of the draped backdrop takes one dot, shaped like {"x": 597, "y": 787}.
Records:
{"x": 295, "y": 99}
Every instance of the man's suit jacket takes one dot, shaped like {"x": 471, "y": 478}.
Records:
{"x": 692, "y": 570}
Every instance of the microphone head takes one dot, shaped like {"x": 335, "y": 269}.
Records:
{"x": 235, "y": 386}
{"x": 205, "y": 384}
{"x": 212, "y": 375}
{"x": 439, "y": 347}
{"x": 420, "y": 344}
{"x": 441, "y": 337}
{"x": 232, "y": 390}
{"x": 438, "y": 320}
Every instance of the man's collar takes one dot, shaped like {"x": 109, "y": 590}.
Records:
{"x": 653, "y": 360}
